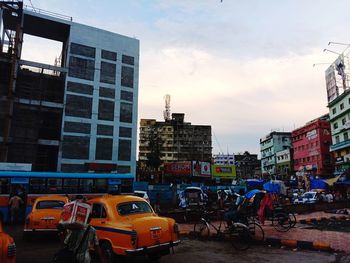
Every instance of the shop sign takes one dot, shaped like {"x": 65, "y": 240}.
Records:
{"x": 339, "y": 159}
{"x": 178, "y": 168}
{"x": 224, "y": 171}
{"x": 201, "y": 169}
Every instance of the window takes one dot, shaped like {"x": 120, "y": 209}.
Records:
{"x": 37, "y": 185}
{"x": 107, "y": 73}
{"x": 104, "y": 148}
{"x": 4, "y": 186}
{"x": 52, "y": 204}
{"x": 126, "y": 95}
{"x": 106, "y": 110}
{"x": 127, "y": 79}
{"x": 86, "y": 186}
{"x": 343, "y": 121}
{"x": 125, "y": 112}
{"x": 124, "y": 150}
{"x": 82, "y": 50}
{"x": 346, "y": 136}
{"x": 70, "y": 185}
{"x": 107, "y": 92}
{"x": 125, "y": 132}
{"x": 105, "y": 54}
{"x": 104, "y": 130}
{"x": 342, "y": 106}
{"x": 334, "y": 110}
{"x": 128, "y": 60}
{"x": 54, "y": 185}
{"x": 78, "y": 106}
{"x": 75, "y": 147}
{"x": 336, "y": 139}
{"x": 335, "y": 125}
{"x": 81, "y": 68}
{"x": 98, "y": 211}
{"x": 101, "y": 185}
{"x": 134, "y": 208}
{"x": 80, "y": 88}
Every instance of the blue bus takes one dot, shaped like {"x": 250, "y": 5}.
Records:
{"x": 30, "y": 185}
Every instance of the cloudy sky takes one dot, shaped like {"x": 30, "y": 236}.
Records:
{"x": 245, "y": 67}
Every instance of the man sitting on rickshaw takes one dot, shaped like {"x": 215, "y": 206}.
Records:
{"x": 232, "y": 213}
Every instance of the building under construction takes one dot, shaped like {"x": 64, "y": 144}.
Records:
{"x": 79, "y": 114}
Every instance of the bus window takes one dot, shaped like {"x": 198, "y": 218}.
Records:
{"x": 70, "y": 186}
{"x": 126, "y": 186}
{"x": 100, "y": 185}
{"x": 86, "y": 186}
{"x": 4, "y": 186}
{"x": 37, "y": 185}
{"x": 54, "y": 185}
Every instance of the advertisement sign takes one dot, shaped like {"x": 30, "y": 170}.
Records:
{"x": 311, "y": 135}
{"x": 201, "y": 169}
{"x": 178, "y": 168}
{"x": 223, "y": 171}
{"x": 331, "y": 84}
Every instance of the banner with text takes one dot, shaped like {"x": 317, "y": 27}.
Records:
{"x": 178, "y": 168}
{"x": 223, "y": 171}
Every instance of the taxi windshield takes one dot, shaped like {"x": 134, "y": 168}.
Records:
{"x": 50, "y": 204}
{"x": 137, "y": 207}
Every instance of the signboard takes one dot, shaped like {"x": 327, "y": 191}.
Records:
{"x": 114, "y": 181}
{"x": 311, "y": 135}
{"x": 201, "y": 169}
{"x": 18, "y": 167}
{"x": 20, "y": 180}
{"x": 223, "y": 171}
{"x": 178, "y": 168}
{"x": 331, "y": 84}
{"x": 339, "y": 159}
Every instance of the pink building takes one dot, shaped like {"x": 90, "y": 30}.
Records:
{"x": 311, "y": 147}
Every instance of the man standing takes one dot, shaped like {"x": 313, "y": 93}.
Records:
{"x": 15, "y": 203}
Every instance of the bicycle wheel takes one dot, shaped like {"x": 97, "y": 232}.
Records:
{"x": 240, "y": 236}
{"x": 281, "y": 222}
{"x": 201, "y": 229}
{"x": 256, "y": 231}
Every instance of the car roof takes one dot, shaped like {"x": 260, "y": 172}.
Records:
{"x": 52, "y": 197}
{"x": 112, "y": 199}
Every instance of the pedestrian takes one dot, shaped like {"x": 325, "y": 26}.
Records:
{"x": 15, "y": 203}
{"x": 77, "y": 241}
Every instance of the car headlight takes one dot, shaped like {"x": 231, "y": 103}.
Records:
{"x": 11, "y": 250}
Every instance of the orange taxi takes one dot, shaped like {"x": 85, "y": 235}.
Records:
{"x": 7, "y": 247}
{"x": 45, "y": 214}
{"x": 127, "y": 225}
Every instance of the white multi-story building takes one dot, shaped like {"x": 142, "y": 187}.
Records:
{"x": 79, "y": 115}
{"x": 222, "y": 158}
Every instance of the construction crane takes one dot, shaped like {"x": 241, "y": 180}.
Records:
{"x": 166, "y": 112}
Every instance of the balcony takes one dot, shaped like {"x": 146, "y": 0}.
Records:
{"x": 340, "y": 145}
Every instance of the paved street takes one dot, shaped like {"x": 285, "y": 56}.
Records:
{"x": 41, "y": 251}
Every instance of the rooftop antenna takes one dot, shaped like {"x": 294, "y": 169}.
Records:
{"x": 166, "y": 112}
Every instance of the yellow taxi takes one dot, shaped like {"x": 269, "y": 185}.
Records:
{"x": 45, "y": 214}
{"x": 7, "y": 247}
{"x": 127, "y": 225}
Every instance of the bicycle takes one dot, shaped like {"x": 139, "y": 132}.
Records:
{"x": 237, "y": 232}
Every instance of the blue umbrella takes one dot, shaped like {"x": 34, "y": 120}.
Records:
{"x": 251, "y": 193}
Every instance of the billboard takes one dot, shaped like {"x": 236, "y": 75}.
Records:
{"x": 331, "y": 84}
{"x": 178, "y": 168}
{"x": 223, "y": 171}
{"x": 201, "y": 169}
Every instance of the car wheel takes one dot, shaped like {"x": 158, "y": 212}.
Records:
{"x": 154, "y": 257}
{"x": 107, "y": 252}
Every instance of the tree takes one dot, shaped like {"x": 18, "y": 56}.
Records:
{"x": 155, "y": 143}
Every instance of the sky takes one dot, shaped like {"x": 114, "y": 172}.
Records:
{"x": 244, "y": 67}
